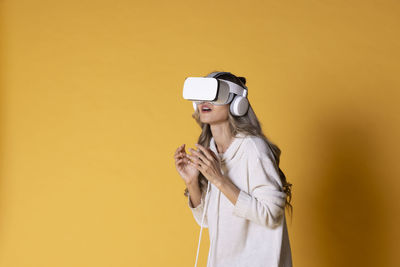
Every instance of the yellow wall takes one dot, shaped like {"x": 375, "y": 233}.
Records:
{"x": 91, "y": 114}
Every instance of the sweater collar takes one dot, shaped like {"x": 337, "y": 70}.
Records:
{"x": 232, "y": 149}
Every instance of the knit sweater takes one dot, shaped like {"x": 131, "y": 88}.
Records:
{"x": 253, "y": 232}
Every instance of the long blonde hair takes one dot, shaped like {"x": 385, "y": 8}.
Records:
{"x": 247, "y": 124}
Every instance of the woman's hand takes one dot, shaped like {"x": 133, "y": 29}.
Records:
{"x": 185, "y": 170}
{"x": 207, "y": 163}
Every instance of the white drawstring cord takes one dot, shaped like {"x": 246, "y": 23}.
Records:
{"x": 201, "y": 228}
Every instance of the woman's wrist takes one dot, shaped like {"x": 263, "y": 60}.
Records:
{"x": 219, "y": 181}
{"x": 192, "y": 181}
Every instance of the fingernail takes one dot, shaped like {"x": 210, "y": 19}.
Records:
{"x": 196, "y": 144}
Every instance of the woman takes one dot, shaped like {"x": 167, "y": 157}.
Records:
{"x": 235, "y": 187}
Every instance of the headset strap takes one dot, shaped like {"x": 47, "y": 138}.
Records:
{"x": 235, "y": 88}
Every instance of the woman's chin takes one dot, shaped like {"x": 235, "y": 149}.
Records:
{"x": 212, "y": 119}
{"x": 211, "y": 122}
{"x": 207, "y": 121}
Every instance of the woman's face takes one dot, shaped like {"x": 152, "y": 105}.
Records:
{"x": 216, "y": 114}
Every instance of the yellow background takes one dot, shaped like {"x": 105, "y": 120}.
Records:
{"x": 92, "y": 112}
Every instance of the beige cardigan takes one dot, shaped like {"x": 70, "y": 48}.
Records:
{"x": 253, "y": 232}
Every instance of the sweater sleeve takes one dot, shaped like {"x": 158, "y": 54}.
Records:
{"x": 265, "y": 202}
{"x": 198, "y": 211}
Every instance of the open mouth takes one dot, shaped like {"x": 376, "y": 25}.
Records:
{"x": 205, "y": 109}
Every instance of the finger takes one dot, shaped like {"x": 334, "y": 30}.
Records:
{"x": 194, "y": 165}
{"x": 195, "y": 160}
{"x": 197, "y": 165}
{"x": 183, "y": 149}
{"x": 205, "y": 151}
{"x": 180, "y": 148}
{"x": 176, "y": 152}
{"x": 213, "y": 154}
{"x": 201, "y": 156}
{"x": 179, "y": 161}
{"x": 179, "y": 155}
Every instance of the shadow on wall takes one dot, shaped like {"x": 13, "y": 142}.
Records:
{"x": 350, "y": 208}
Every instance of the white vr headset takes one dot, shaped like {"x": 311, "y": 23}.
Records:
{"x": 217, "y": 92}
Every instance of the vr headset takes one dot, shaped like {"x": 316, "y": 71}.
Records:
{"x": 217, "y": 92}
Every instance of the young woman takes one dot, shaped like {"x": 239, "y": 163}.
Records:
{"x": 235, "y": 179}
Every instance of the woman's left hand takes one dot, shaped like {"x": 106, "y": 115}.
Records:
{"x": 207, "y": 163}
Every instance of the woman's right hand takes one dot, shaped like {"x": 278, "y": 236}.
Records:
{"x": 188, "y": 172}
